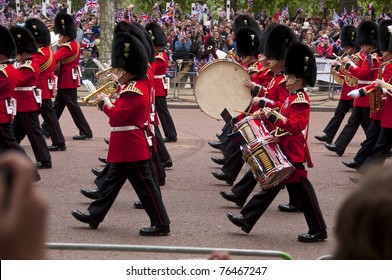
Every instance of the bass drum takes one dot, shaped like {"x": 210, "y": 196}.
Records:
{"x": 220, "y": 85}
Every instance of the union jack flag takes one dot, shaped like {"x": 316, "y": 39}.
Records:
{"x": 145, "y": 17}
{"x": 285, "y": 12}
{"x": 370, "y": 9}
{"x": 91, "y": 6}
{"x": 336, "y": 18}
{"x": 345, "y": 17}
{"x": 168, "y": 15}
{"x": 321, "y": 6}
{"x": 4, "y": 3}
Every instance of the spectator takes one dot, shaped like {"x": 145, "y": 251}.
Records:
{"x": 363, "y": 227}
{"x": 324, "y": 48}
{"x": 23, "y": 210}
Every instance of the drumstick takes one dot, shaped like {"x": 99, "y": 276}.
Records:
{"x": 259, "y": 113}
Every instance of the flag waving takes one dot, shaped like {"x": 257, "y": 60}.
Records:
{"x": 168, "y": 15}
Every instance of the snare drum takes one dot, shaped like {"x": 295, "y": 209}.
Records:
{"x": 220, "y": 85}
{"x": 267, "y": 162}
{"x": 251, "y": 128}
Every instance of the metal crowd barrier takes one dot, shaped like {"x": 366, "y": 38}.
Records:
{"x": 166, "y": 249}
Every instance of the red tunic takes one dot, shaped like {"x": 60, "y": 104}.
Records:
{"x": 345, "y": 87}
{"x": 8, "y": 80}
{"x": 386, "y": 121}
{"x": 364, "y": 72}
{"x": 160, "y": 65}
{"x": 277, "y": 90}
{"x": 263, "y": 77}
{"x": 130, "y": 109}
{"x": 27, "y": 76}
{"x": 47, "y": 64}
{"x": 68, "y": 55}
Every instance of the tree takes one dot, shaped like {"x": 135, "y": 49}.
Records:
{"x": 107, "y": 27}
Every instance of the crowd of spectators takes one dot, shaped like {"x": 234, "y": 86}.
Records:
{"x": 190, "y": 37}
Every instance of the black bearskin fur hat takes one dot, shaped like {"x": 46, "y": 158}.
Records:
{"x": 64, "y": 25}
{"x": 300, "y": 61}
{"x": 157, "y": 34}
{"x": 129, "y": 54}
{"x": 24, "y": 40}
{"x": 7, "y": 43}
{"x": 277, "y": 42}
{"x": 348, "y": 36}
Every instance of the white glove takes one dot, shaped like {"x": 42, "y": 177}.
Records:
{"x": 354, "y": 93}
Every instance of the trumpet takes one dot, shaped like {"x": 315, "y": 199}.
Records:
{"x": 110, "y": 88}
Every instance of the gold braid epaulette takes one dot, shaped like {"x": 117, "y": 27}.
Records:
{"x": 71, "y": 58}
{"x": 47, "y": 64}
{"x": 300, "y": 99}
{"x": 283, "y": 80}
{"x": 2, "y": 69}
{"x": 160, "y": 56}
{"x": 40, "y": 51}
{"x": 132, "y": 87}
{"x": 27, "y": 64}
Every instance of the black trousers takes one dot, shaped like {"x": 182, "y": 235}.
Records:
{"x": 304, "y": 190}
{"x": 52, "y": 124}
{"x": 161, "y": 147}
{"x": 68, "y": 97}
{"x": 7, "y": 139}
{"x": 379, "y": 154}
{"x": 359, "y": 116}
{"x": 233, "y": 164}
{"x": 341, "y": 110}
{"x": 371, "y": 139}
{"x": 165, "y": 118}
{"x": 27, "y": 123}
{"x": 140, "y": 176}
{"x": 247, "y": 184}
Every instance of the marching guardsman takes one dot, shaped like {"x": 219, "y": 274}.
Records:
{"x": 46, "y": 82}
{"x": 130, "y": 143}
{"x": 248, "y": 49}
{"x": 67, "y": 56}
{"x": 8, "y": 82}
{"x": 161, "y": 86}
{"x": 160, "y": 82}
{"x": 366, "y": 73}
{"x": 348, "y": 38}
{"x": 291, "y": 122}
{"x": 382, "y": 87}
{"x": 28, "y": 97}
{"x": 278, "y": 39}
{"x": 159, "y": 146}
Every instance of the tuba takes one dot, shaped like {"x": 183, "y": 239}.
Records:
{"x": 110, "y": 88}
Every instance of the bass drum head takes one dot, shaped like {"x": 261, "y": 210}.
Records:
{"x": 220, "y": 85}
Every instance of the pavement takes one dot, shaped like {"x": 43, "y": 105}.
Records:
{"x": 184, "y": 98}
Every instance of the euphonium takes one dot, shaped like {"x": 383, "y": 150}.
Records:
{"x": 376, "y": 96}
{"x": 335, "y": 73}
{"x": 105, "y": 76}
{"x": 110, "y": 88}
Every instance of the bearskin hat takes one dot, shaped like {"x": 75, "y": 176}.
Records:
{"x": 149, "y": 41}
{"x": 129, "y": 54}
{"x": 248, "y": 42}
{"x": 24, "y": 40}
{"x": 157, "y": 34}
{"x": 64, "y": 25}
{"x": 385, "y": 32}
{"x": 277, "y": 42}
{"x": 39, "y": 30}
{"x": 7, "y": 43}
{"x": 263, "y": 37}
{"x": 348, "y": 36}
{"x": 136, "y": 31}
{"x": 300, "y": 61}
{"x": 245, "y": 21}
{"x": 367, "y": 33}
